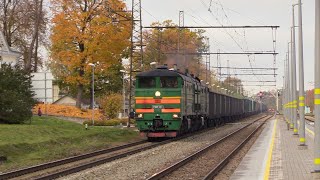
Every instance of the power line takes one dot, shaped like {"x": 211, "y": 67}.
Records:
{"x": 248, "y": 74}
{"x": 210, "y": 27}
{"x": 258, "y": 81}
{"x": 228, "y": 53}
{"x": 229, "y": 33}
{"x": 244, "y": 68}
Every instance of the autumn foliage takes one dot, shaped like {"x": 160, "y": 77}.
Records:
{"x": 87, "y": 32}
{"x": 168, "y": 46}
{"x": 111, "y": 104}
{"x": 67, "y": 111}
{"x": 310, "y": 99}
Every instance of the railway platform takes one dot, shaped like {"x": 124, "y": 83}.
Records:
{"x": 276, "y": 154}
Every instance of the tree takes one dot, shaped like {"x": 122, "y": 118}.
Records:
{"x": 111, "y": 104}
{"x": 23, "y": 23}
{"x": 233, "y": 84}
{"x": 163, "y": 45}
{"x": 16, "y": 97}
{"x": 85, "y": 32}
{"x": 310, "y": 99}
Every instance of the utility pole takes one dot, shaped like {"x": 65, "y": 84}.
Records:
{"x": 219, "y": 64}
{"x": 317, "y": 92}
{"x": 289, "y": 77}
{"x": 92, "y": 91}
{"x": 208, "y": 62}
{"x": 301, "y": 80}
{"x": 159, "y": 45}
{"x": 277, "y": 98}
{"x": 294, "y": 76}
{"x": 136, "y": 46}
{"x": 285, "y": 90}
{"x": 181, "y": 24}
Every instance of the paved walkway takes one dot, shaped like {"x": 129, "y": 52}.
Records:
{"x": 277, "y": 155}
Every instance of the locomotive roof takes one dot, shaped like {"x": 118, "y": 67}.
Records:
{"x": 164, "y": 72}
{"x": 158, "y": 72}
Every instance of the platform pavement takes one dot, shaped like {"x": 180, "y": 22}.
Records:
{"x": 276, "y": 154}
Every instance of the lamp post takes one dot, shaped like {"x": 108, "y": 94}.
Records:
{"x": 317, "y": 91}
{"x": 92, "y": 93}
{"x": 301, "y": 79}
{"x": 294, "y": 76}
{"x": 123, "y": 92}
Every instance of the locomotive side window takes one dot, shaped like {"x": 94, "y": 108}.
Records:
{"x": 169, "y": 82}
{"x": 147, "y": 82}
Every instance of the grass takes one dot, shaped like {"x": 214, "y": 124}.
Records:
{"x": 48, "y": 138}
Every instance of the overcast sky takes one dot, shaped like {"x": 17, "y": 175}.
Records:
{"x": 242, "y": 12}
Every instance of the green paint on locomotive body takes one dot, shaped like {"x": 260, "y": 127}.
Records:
{"x": 145, "y": 123}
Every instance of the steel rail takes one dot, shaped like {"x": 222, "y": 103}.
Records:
{"x": 186, "y": 160}
{"x": 225, "y": 161}
{"x": 98, "y": 162}
{"x": 109, "y": 159}
{"x": 52, "y": 164}
{"x": 308, "y": 118}
{"x": 309, "y": 121}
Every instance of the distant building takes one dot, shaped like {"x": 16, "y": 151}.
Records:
{"x": 7, "y": 54}
{"x": 56, "y": 92}
{"x": 66, "y": 100}
{"x": 42, "y": 86}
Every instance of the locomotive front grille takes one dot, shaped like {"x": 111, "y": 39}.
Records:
{"x": 157, "y": 123}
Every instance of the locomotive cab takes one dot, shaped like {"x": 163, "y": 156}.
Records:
{"x": 158, "y": 103}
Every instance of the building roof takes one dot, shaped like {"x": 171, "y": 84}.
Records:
{"x": 60, "y": 99}
{"x": 5, "y": 49}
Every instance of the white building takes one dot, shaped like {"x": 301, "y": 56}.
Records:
{"x": 7, "y": 54}
{"x": 42, "y": 86}
{"x": 41, "y": 81}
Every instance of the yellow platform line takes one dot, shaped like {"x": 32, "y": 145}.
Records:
{"x": 268, "y": 165}
{"x": 310, "y": 131}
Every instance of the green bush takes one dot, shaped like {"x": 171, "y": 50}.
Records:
{"x": 16, "y": 97}
{"x": 111, "y": 104}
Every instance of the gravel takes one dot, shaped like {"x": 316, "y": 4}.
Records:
{"x": 144, "y": 164}
{"x": 201, "y": 166}
{"x": 232, "y": 165}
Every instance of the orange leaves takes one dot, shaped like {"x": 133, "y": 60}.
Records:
{"x": 82, "y": 33}
{"x": 67, "y": 111}
{"x": 172, "y": 39}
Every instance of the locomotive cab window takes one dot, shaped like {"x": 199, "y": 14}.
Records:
{"x": 168, "y": 82}
{"x": 147, "y": 82}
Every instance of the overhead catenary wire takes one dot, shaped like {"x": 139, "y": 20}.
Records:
{"x": 231, "y": 37}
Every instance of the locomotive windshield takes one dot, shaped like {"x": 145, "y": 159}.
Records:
{"x": 147, "y": 82}
{"x": 169, "y": 82}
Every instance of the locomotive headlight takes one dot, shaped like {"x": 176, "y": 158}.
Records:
{"x": 140, "y": 115}
{"x": 175, "y": 115}
{"x": 157, "y": 94}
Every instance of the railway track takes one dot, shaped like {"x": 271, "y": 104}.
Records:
{"x": 309, "y": 120}
{"x": 75, "y": 164}
{"x": 199, "y": 165}
{"x": 44, "y": 169}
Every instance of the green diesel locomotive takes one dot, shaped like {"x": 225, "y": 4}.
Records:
{"x": 169, "y": 103}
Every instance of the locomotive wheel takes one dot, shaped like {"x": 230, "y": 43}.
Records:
{"x": 184, "y": 127}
